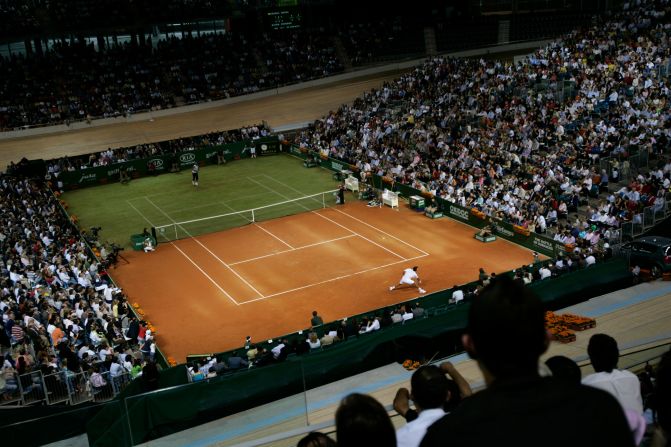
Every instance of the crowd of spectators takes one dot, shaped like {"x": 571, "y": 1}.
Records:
{"x": 26, "y": 17}
{"x": 374, "y": 41}
{"x": 499, "y": 137}
{"x": 74, "y": 81}
{"x": 60, "y": 311}
{"x": 522, "y": 399}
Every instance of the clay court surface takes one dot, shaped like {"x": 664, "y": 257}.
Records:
{"x": 206, "y": 294}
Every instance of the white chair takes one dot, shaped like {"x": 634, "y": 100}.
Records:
{"x": 352, "y": 183}
{"x": 390, "y": 198}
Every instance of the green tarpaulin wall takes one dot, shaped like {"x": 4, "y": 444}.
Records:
{"x": 160, "y": 413}
{"x": 163, "y": 163}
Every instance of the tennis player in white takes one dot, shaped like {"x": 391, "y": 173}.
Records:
{"x": 410, "y": 278}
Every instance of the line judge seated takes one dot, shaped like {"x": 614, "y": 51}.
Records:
{"x": 148, "y": 244}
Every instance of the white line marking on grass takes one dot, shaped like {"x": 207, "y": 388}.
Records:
{"x": 208, "y": 250}
{"x": 140, "y": 213}
{"x": 187, "y": 257}
{"x": 294, "y": 249}
{"x": 330, "y": 280}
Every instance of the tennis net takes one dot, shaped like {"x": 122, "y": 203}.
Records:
{"x": 196, "y": 227}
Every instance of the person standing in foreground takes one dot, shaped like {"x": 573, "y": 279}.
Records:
{"x": 410, "y": 278}
{"x": 194, "y": 174}
{"x": 519, "y": 407}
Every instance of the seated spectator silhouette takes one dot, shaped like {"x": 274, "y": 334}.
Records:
{"x": 623, "y": 385}
{"x": 563, "y": 368}
{"x": 519, "y": 407}
{"x": 316, "y": 439}
{"x": 662, "y": 402}
{"x": 361, "y": 421}
{"x": 237, "y": 362}
{"x": 430, "y": 392}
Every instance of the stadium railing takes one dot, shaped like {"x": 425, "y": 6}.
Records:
{"x": 632, "y": 359}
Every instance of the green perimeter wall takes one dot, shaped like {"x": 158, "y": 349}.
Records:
{"x": 140, "y": 168}
{"x": 179, "y": 405}
{"x": 157, "y": 414}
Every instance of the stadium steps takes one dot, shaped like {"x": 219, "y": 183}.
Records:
{"x": 341, "y": 52}
{"x": 503, "y": 32}
{"x": 430, "y": 41}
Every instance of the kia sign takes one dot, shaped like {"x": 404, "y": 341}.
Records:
{"x": 187, "y": 158}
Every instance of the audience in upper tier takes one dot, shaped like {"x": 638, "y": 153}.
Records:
{"x": 524, "y": 143}
{"x": 75, "y": 82}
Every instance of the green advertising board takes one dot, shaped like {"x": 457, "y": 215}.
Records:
{"x": 165, "y": 163}
{"x": 505, "y": 230}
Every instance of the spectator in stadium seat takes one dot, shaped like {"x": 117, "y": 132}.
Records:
{"x": 418, "y": 310}
{"x": 150, "y": 376}
{"x": 563, "y": 368}
{"x": 518, "y": 407}
{"x": 457, "y": 295}
{"x": 361, "y": 421}
{"x": 662, "y": 402}
{"x": 237, "y": 362}
{"x": 316, "y": 439}
{"x": 316, "y": 320}
{"x": 621, "y": 384}
{"x": 433, "y": 394}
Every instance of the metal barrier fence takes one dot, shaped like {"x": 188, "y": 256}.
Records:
{"x": 627, "y": 168}
{"x": 56, "y": 387}
{"x": 62, "y": 387}
{"x": 32, "y": 387}
{"x": 643, "y": 221}
{"x": 11, "y": 394}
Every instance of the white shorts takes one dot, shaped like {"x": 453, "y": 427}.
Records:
{"x": 407, "y": 281}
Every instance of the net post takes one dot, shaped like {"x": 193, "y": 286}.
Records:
{"x": 253, "y": 218}
{"x": 175, "y": 231}
{"x": 323, "y": 200}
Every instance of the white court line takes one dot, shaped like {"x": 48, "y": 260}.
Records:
{"x": 324, "y": 217}
{"x": 257, "y": 226}
{"x": 190, "y": 208}
{"x": 187, "y": 257}
{"x": 216, "y": 284}
{"x": 330, "y": 280}
{"x": 382, "y": 231}
{"x": 294, "y": 249}
{"x": 342, "y": 226}
{"x": 208, "y": 250}
{"x": 361, "y": 236}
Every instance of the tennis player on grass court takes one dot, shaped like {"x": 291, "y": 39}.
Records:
{"x": 194, "y": 174}
{"x": 410, "y": 278}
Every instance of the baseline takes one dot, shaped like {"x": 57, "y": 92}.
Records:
{"x": 349, "y": 275}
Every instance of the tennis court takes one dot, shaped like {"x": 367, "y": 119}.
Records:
{"x": 208, "y": 286}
